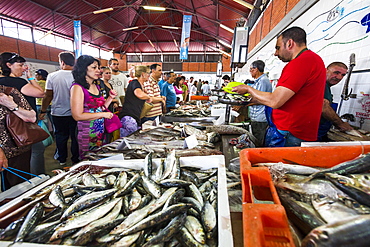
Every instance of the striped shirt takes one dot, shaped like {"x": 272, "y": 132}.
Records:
{"x": 152, "y": 89}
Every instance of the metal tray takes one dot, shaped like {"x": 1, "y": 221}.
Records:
{"x": 169, "y": 119}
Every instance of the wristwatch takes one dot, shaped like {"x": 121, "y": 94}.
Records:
{"x": 15, "y": 108}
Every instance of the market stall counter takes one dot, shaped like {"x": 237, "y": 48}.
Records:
{"x": 210, "y": 168}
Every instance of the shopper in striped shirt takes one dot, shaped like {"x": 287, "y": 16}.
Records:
{"x": 152, "y": 89}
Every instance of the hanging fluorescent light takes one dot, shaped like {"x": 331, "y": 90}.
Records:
{"x": 170, "y": 27}
{"x": 245, "y": 4}
{"x": 223, "y": 52}
{"x": 150, "y": 42}
{"x": 129, "y": 28}
{"x": 46, "y": 34}
{"x": 102, "y": 11}
{"x": 227, "y": 28}
{"x": 154, "y": 8}
{"x": 225, "y": 44}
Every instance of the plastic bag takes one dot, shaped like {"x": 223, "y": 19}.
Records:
{"x": 48, "y": 141}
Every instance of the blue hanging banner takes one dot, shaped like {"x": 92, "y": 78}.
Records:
{"x": 185, "y": 36}
{"x": 78, "y": 38}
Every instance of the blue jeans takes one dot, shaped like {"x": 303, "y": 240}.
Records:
{"x": 291, "y": 140}
{"x": 144, "y": 119}
{"x": 64, "y": 128}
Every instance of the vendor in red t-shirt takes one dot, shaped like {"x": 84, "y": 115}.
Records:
{"x": 297, "y": 99}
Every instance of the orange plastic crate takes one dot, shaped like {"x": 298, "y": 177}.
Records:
{"x": 267, "y": 224}
{"x": 199, "y": 97}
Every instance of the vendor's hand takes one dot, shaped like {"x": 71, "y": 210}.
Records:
{"x": 241, "y": 89}
{"x": 108, "y": 115}
{"x": 344, "y": 126}
{"x": 113, "y": 93}
{"x": 163, "y": 99}
{"x": 150, "y": 100}
{"x": 3, "y": 160}
{"x": 236, "y": 107}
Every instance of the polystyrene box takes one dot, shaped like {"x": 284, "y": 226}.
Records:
{"x": 218, "y": 110}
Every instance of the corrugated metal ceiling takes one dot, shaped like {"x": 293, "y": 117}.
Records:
{"x": 105, "y": 30}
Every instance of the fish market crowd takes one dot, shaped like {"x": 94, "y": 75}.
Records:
{"x": 165, "y": 201}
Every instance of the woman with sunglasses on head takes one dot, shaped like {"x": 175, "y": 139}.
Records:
{"x": 87, "y": 104}
{"x": 12, "y": 68}
{"x": 105, "y": 87}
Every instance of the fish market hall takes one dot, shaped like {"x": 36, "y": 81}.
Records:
{"x": 185, "y": 123}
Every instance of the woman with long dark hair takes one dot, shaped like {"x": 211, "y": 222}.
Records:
{"x": 13, "y": 66}
{"x": 87, "y": 104}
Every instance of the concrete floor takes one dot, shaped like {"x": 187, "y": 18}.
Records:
{"x": 52, "y": 164}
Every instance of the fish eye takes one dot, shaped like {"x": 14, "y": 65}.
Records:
{"x": 366, "y": 177}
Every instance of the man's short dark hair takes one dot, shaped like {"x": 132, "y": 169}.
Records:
{"x": 154, "y": 66}
{"x": 226, "y": 77}
{"x": 67, "y": 57}
{"x": 168, "y": 74}
{"x": 339, "y": 64}
{"x": 259, "y": 64}
{"x": 112, "y": 59}
{"x": 297, "y": 34}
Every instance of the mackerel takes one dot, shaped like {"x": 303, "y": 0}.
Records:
{"x": 30, "y": 222}
{"x": 349, "y": 232}
{"x": 151, "y": 187}
{"x": 11, "y": 230}
{"x": 170, "y": 162}
{"x": 167, "y": 232}
{"x": 127, "y": 241}
{"x": 128, "y": 186}
{"x": 56, "y": 197}
{"x": 88, "y": 179}
{"x": 344, "y": 185}
{"x": 195, "y": 228}
{"x": 90, "y": 216}
{"x": 157, "y": 218}
{"x": 148, "y": 164}
{"x": 93, "y": 226}
{"x": 87, "y": 200}
{"x": 332, "y": 210}
{"x": 185, "y": 238}
{"x": 209, "y": 217}
{"x": 140, "y": 214}
{"x": 357, "y": 165}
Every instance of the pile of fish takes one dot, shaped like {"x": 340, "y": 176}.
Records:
{"x": 330, "y": 207}
{"x": 197, "y": 113}
{"x": 235, "y": 99}
{"x": 158, "y": 141}
{"x": 101, "y": 206}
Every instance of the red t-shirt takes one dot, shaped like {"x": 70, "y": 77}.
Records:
{"x": 300, "y": 115}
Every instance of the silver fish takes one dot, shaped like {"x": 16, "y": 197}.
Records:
{"x": 56, "y": 197}
{"x": 332, "y": 210}
{"x": 151, "y": 187}
{"x": 195, "y": 228}
{"x": 87, "y": 201}
{"x": 200, "y": 135}
{"x": 348, "y": 232}
{"x": 30, "y": 222}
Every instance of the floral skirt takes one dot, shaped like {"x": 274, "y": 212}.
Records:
{"x": 129, "y": 126}
{"x": 90, "y": 135}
